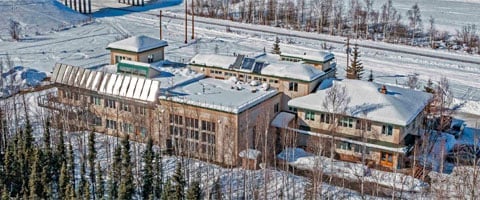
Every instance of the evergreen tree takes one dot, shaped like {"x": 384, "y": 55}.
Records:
{"x": 115, "y": 174}
{"x": 13, "y": 179}
{"x": 355, "y": 70}
{"x": 70, "y": 192}
{"x": 47, "y": 162}
{"x": 34, "y": 184}
{"x": 71, "y": 166}
{"x": 64, "y": 181}
{"x": 167, "y": 191}
{"x": 83, "y": 181}
{"x": 86, "y": 190}
{"x": 5, "y": 195}
{"x": 92, "y": 154}
{"x": 178, "y": 182}
{"x": 158, "y": 181}
{"x": 100, "y": 187}
{"x": 127, "y": 188}
{"x": 148, "y": 156}
{"x": 276, "y": 46}
{"x": 194, "y": 192}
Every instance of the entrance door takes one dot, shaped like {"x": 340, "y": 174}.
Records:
{"x": 386, "y": 159}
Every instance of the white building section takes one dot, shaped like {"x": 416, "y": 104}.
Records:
{"x": 138, "y": 44}
{"x": 137, "y": 88}
{"x": 398, "y": 106}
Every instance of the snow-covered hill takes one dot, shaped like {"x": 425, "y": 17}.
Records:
{"x": 37, "y": 16}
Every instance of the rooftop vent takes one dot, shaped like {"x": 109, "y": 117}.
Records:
{"x": 383, "y": 90}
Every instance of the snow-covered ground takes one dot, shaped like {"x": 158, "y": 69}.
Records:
{"x": 37, "y": 17}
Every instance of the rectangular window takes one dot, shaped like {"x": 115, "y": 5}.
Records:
{"x": 143, "y": 131}
{"x": 325, "y": 118}
{"x": 276, "y": 108}
{"x": 95, "y": 100}
{"x": 127, "y": 128}
{"x": 293, "y": 86}
{"x": 346, "y": 122}
{"x": 150, "y": 58}
{"x": 141, "y": 110}
{"x": 292, "y": 109}
{"x": 387, "y": 129}
{"x": 310, "y": 115}
{"x": 97, "y": 121}
{"x": 111, "y": 124}
{"x": 109, "y": 103}
{"x": 125, "y": 107}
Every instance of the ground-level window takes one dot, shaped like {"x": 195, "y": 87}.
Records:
{"x": 387, "y": 129}
{"x": 111, "y": 124}
{"x": 127, "y": 128}
{"x": 386, "y": 159}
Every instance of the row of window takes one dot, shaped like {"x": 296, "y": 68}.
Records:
{"x": 291, "y": 59}
{"x": 188, "y": 133}
{"x": 194, "y": 123}
{"x": 193, "y": 146}
{"x": 348, "y": 122}
{"x": 351, "y": 147}
{"x": 124, "y": 127}
{"x": 119, "y": 58}
{"x": 110, "y": 103}
{"x": 230, "y": 74}
{"x": 293, "y": 86}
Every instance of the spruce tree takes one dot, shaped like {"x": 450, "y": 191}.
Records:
{"x": 148, "y": 156}
{"x": 158, "y": 181}
{"x": 92, "y": 154}
{"x": 127, "y": 188}
{"x": 34, "y": 184}
{"x": 355, "y": 70}
{"x": 5, "y": 195}
{"x": 194, "y": 192}
{"x": 47, "y": 162}
{"x": 63, "y": 182}
{"x": 429, "y": 87}
{"x": 276, "y": 46}
{"x": 178, "y": 182}
{"x": 86, "y": 190}
{"x": 70, "y": 192}
{"x": 71, "y": 166}
{"x": 167, "y": 191}
{"x": 100, "y": 187}
{"x": 115, "y": 174}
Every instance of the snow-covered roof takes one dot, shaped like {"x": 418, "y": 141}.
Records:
{"x": 138, "y": 44}
{"x": 222, "y": 95}
{"x": 172, "y": 76}
{"x": 293, "y": 70}
{"x": 312, "y": 56}
{"x": 282, "y": 119}
{"x": 249, "y": 154}
{"x": 213, "y": 60}
{"x": 271, "y": 65}
{"x": 399, "y": 106}
{"x": 106, "y": 83}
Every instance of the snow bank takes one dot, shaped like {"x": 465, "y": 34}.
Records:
{"x": 38, "y": 16}
{"x": 19, "y": 78}
{"x": 353, "y": 171}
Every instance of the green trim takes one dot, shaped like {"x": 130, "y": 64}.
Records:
{"x": 307, "y": 60}
{"x": 351, "y": 137}
{"x": 122, "y": 66}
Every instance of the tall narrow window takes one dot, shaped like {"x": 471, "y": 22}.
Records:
{"x": 293, "y": 86}
{"x": 309, "y": 115}
{"x": 387, "y": 129}
{"x": 276, "y": 108}
{"x": 150, "y": 58}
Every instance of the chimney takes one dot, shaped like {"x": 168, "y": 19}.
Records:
{"x": 383, "y": 90}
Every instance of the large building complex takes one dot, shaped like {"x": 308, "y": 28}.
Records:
{"x": 220, "y": 107}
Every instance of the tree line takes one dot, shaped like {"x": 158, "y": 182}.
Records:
{"x": 354, "y": 19}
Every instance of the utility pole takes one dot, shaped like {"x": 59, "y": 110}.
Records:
{"x": 193, "y": 22}
{"x": 186, "y": 18}
{"x": 348, "y": 50}
{"x": 160, "y": 22}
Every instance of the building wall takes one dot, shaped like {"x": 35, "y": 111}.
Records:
{"x": 138, "y": 117}
{"x": 158, "y": 55}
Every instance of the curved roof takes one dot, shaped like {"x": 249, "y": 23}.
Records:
{"x": 138, "y": 44}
